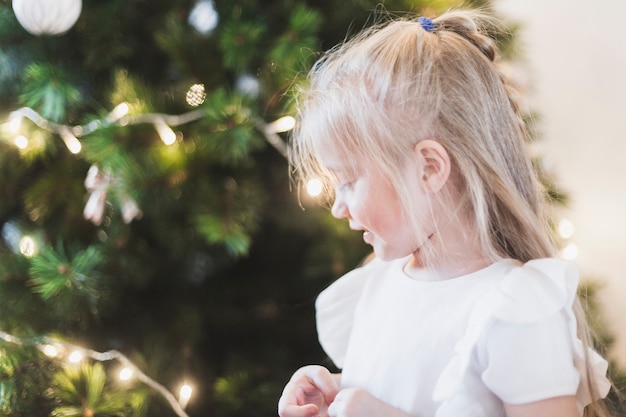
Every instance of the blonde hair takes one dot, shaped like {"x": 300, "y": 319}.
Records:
{"x": 378, "y": 94}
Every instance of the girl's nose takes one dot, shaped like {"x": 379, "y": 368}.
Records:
{"x": 340, "y": 208}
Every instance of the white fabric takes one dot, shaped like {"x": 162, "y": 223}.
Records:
{"x": 458, "y": 347}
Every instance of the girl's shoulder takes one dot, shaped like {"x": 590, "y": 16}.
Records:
{"x": 511, "y": 319}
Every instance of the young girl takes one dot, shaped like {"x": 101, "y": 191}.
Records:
{"x": 464, "y": 312}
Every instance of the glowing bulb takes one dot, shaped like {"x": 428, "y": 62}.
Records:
{"x": 15, "y": 122}
{"x": 566, "y": 229}
{"x": 165, "y": 132}
{"x": 72, "y": 143}
{"x": 282, "y": 125}
{"x": 126, "y": 373}
{"x": 28, "y": 246}
{"x": 50, "y": 351}
{"x": 76, "y": 356}
{"x": 119, "y": 111}
{"x": 21, "y": 142}
{"x": 570, "y": 252}
{"x": 314, "y": 187}
{"x": 184, "y": 395}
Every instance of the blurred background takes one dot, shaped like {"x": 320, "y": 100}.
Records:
{"x": 155, "y": 259}
{"x": 574, "y": 61}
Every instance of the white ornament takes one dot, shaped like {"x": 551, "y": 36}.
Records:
{"x": 204, "y": 17}
{"x": 47, "y": 17}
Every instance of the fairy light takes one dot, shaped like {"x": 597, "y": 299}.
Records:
{"x": 566, "y": 229}
{"x": 570, "y": 251}
{"x": 118, "y": 112}
{"x": 126, "y": 373}
{"x": 314, "y": 187}
{"x": 53, "y": 346}
{"x": 71, "y": 141}
{"x": 283, "y": 124}
{"x": 15, "y": 121}
{"x": 21, "y": 142}
{"x": 165, "y": 132}
{"x": 184, "y": 394}
{"x": 50, "y": 351}
{"x": 28, "y": 246}
{"x": 76, "y": 356}
{"x": 120, "y": 115}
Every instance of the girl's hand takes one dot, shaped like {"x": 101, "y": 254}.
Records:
{"x": 356, "y": 402}
{"x": 308, "y": 393}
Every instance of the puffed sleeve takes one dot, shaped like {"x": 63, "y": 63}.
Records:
{"x": 530, "y": 361}
{"x": 335, "y": 311}
{"x": 524, "y": 334}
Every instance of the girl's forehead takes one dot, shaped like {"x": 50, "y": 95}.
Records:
{"x": 335, "y": 158}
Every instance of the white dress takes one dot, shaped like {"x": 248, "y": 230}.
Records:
{"x": 462, "y": 346}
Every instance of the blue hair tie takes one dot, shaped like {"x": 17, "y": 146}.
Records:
{"x": 426, "y": 23}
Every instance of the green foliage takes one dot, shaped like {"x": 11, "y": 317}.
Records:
{"x": 25, "y": 378}
{"x": 81, "y": 390}
{"x": 294, "y": 49}
{"x": 240, "y": 43}
{"x": 70, "y": 282}
{"x": 46, "y": 88}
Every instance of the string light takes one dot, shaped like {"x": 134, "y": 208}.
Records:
{"x": 165, "y": 132}
{"x": 126, "y": 373}
{"x": 15, "y": 122}
{"x": 76, "y": 356}
{"x": 28, "y": 246}
{"x": 314, "y": 187}
{"x": 184, "y": 394}
{"x": 53, "y": 348}
{"x": 566, "y": 229}
{"x": 283, "y": 124}
{"x": 50, "y": 351}
{"x": 570, "y": 252}
{"x": 119, "y": 115}
{"x": 21, "y": 142}
{"x": 71, "y": 141}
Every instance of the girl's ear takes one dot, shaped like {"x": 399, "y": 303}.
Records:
{"x": 434, "y": 165}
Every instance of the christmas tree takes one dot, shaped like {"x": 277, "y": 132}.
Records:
{"x": 153, "y": 259}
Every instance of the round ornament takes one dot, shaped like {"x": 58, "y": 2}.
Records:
{"x": 47, "y": 17}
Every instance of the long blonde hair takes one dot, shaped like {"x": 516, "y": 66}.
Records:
{"x": 375, "y": 96}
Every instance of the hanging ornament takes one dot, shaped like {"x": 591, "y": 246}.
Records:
{"x": 204, "y": 17}
{"x": 98, "y": 183}
{"x": 47, "y": 17}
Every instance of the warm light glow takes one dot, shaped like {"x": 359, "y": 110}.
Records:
{"x": 566, "y": 229}
{"x": 184, "y": 395}
{"x": 570, "y": 252}
{"x": 126, "y": 373}
{"x": 119, "y": 111}
{"x": 76, "y": 356}
{"x": 283, "y": 124}
{"x": 50, "y": 351}
{"x": 15, "y": 122}
{"x": 21, "y": 142}
{"x": 314, "y": 187}
{"x": 28, "y": 246}
{"x": 72, "y": 143}
{"x": 165, "y": 132}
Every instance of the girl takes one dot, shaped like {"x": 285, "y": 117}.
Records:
{"x": 464, "y": 312}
